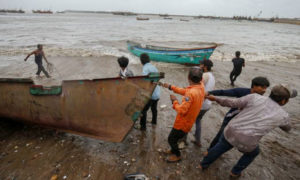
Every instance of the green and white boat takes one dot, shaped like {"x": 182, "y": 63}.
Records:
{"x": 189, "y": 56}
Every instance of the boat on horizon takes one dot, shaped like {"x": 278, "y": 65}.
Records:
{"x": 186, "y": 20}
{"x": 188, "y": 56}
{"x": 42, "y": 12}
{"x": 11, "y": 11}
{"x": 104, "y": 109}
{"x": 142, "y": 18}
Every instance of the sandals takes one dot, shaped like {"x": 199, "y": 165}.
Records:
{"x": 234, "y": 176}
{"x": 173, "y": 158}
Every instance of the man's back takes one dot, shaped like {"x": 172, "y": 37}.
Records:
{"x": 259, "y": 115}
{"x": 238, "y": 63}
{"x": 191, "y": 104}
{"x": 149, "y": 68}
{"x": 209, "y": 84}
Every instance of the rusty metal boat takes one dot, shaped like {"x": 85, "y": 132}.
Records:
{"x": 105, "y": 109}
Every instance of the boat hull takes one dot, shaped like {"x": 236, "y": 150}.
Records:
{"x": 105, "y": 109}
{"x": 172, "y": 55}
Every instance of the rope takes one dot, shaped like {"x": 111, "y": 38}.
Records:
{"x": 51, "y": 68}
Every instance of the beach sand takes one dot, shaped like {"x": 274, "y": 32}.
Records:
{"x": 33, "y": 152}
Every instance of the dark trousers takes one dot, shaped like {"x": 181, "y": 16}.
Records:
{"x": 153, "y": 104}
{"x": 174, "y": 136}
{"x": 223, "y": 146}
{"x": 221, "y": 130}
{"x": 234, "y": 74}
{"x": 41, "y": 68}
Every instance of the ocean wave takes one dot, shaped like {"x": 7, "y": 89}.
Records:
{"x": 100, "y": 50}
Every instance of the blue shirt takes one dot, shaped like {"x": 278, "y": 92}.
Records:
{"x": 236, "y": 92}
{"x": 149, "y": 68}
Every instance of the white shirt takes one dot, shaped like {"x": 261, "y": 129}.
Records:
{"x": 209, "y": 84}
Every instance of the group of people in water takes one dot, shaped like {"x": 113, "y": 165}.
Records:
{"x": 251, "y": 116}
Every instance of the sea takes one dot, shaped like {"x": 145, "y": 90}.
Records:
{"x": 95, "y": 35}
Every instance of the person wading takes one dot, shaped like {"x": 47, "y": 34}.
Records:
{"x": 238, "y": 64}
{"x": 38, "y": 57}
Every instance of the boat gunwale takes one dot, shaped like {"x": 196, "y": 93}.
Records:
{"x": 29, "y": 80}
{"x": 160, "y": 75}
{"x": 138, "y": 46}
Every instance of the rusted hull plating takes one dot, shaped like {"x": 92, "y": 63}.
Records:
{"x": 103, "y": 108}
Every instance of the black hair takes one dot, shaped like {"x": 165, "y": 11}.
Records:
{"x": 208, "y": 64}
{"x": 260, "y": 81}
{"x": 237, "y": 53}
{"x": 123, "y": 61}
{"x": 279, "y": 98}
{"x": 195, "y": 74}
{"x": 39, "y": 45}
{"x": 144, "y": 58}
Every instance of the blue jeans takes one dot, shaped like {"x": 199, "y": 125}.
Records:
{"x": 223, "y": 146}
{"x": 198, "y": 126}
{"x": 220, "y": 132}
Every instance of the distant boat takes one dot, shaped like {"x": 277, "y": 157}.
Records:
{"x": 169, "y": 18}
{"x": 173, "y": 55}
{"x": 184, "y": 20}
{"x": 42, "y": 12}
{"x": 124, "y": 13}
{"x": 105, "y": 109}
{"x": 142, "y": 18}
{"x": 11, "y": 11}
{"x": 163, "y": 15}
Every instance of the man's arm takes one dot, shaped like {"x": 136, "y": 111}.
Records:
{"x": 286, "y": 125}
{"x": 184, "y": 106}
{"x": 29, "y": 55}
{"x": 45, "y": 57}
{"x": 175, "y": 89}
{"x": 205, "y": 78}
{"x": 236, "y": 92}
{"x": 233, "y": 103}
{"x": 286, "y": 128}
{"x": 243, "y": 62}
{"x": 178, "y": 90}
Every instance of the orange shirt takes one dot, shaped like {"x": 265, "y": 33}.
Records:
{"x": 188, "y": 110}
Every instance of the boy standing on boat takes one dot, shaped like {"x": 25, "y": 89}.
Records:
{"x": 38, "y": 56}
{"x": 187, "y": 111}
{"x": 124, "y": 71}
{"x": 238, "y": 64}
{"x": 258, "y": 116}
{"x": 149, "y": 68}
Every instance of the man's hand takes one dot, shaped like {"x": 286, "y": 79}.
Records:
{"x": 165, "y": 85}
{"x": 173, "y": 98}
{"x": 210, "y": 97}
{"x": 25, "y": 59}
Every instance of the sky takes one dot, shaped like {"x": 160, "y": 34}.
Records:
{"x": 229, "y": 8}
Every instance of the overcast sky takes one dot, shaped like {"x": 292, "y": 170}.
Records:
{"x": 269, "y": 8}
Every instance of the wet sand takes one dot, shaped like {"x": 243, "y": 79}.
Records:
{"x": 33, "y": 152}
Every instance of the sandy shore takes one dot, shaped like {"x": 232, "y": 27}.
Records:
{"x": 33, "y": 152}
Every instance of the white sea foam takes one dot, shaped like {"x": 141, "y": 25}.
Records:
{"x": 95, "y": 35}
